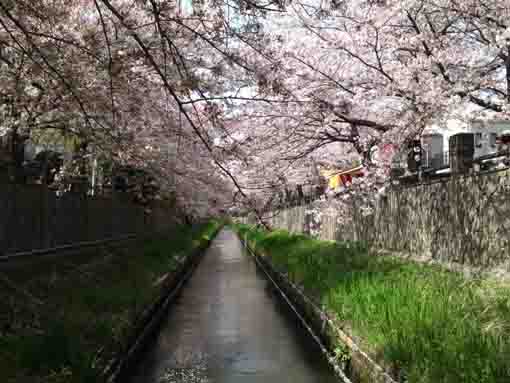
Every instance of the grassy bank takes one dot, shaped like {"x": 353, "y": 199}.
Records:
{"x": 64, "y": 324}
{"x": 425, "y": 324}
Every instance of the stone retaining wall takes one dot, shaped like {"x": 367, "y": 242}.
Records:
{"x": 463, "y": 220}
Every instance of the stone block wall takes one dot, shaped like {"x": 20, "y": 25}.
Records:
{"x": 463, "y": 220}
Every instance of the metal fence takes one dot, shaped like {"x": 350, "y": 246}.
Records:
{"x": 438, "y": 161}
{"x": 33, "y": 217}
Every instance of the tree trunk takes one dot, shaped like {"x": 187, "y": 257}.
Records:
{"x": 507, "y": 67}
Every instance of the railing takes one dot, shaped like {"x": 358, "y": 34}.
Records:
{"x": 429, "y": 174}
{"x": 436, "y": 162}
{"x": 487, "y": 164}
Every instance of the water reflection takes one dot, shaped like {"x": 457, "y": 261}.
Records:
{"x": 227, "y": 327}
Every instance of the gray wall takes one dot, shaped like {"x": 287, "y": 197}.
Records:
{"x": 31, "y": 217}
{"x": 463, "y": 220}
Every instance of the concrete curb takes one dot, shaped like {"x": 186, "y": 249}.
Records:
{"x": 361, "y": 368}
{"x": 73, "y": 247}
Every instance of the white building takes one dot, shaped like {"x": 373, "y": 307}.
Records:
{"x": 485, "y": 126}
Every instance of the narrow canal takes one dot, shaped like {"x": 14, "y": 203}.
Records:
{"x": 228, "y": 326}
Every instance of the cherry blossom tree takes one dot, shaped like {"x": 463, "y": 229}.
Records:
{"x": 359, "y": 76}
{"x": 237, "y": 101}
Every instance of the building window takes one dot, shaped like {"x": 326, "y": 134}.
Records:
{"x": 493, "y": 137}
{"x": 478, "y": 140}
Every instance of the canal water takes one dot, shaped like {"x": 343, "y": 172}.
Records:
{"x": 228, "y": 326}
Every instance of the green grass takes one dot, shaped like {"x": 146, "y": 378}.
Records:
{"x": 88, "y": 314}
{"x": 423, "y": 322}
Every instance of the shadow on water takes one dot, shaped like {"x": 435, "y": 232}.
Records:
{"x": 306, "y": 345}
{"x": 229, "y": 326}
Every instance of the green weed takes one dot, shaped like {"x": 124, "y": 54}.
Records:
{"x": 88, "y": 316}
{"x": 434, "y": 325}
